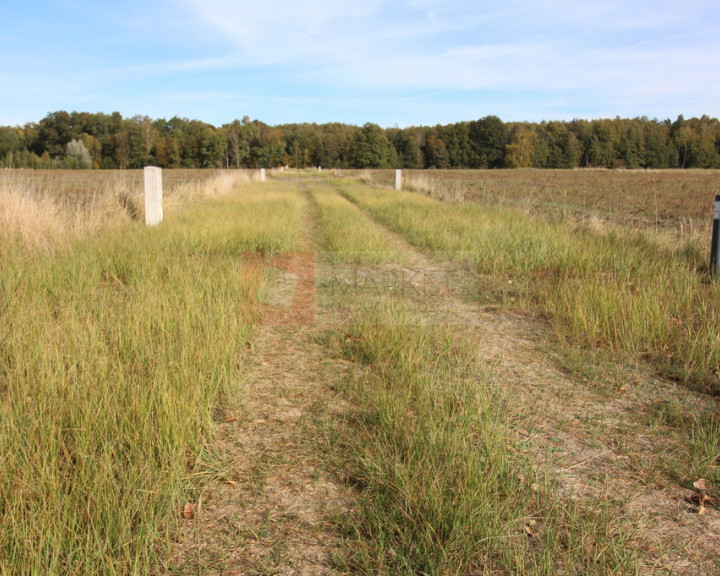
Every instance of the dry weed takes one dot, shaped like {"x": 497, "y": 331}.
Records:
{"x": 445, "y": 190}
{"x": 46, "y": 210}
{"x": 365, "y": 176}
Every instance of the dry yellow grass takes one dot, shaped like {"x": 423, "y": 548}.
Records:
{"x": 28, "y": 223}
{"x": 46, "y": 210}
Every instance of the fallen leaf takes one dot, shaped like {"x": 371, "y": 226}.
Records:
{"x": 700, "y": 485}
{"x": 702, "y": 509}
{"x": 188, "y": 511}
{"x": 702, "y": 499}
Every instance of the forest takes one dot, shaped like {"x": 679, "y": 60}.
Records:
{"x": 110, "y": 141}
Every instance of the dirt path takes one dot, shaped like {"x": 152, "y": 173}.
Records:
{"x": 274, "y": 513}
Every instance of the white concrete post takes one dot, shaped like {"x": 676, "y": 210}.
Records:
{"x": 398, "y": 179}
{"x": 262, "y": 174}
{"x": 153, "y": 195}
{"x": 319, "y": 168}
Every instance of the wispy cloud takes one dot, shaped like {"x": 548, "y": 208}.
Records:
{"x": 364, "y": 60}
{"x": 456, "y": 44}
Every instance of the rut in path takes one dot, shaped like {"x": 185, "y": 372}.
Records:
{"x": 275, "y": 512}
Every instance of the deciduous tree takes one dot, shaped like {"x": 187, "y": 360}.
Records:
{"x": 371, "y": 149}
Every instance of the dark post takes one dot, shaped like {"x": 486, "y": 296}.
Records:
{"x": 715, "y": 247}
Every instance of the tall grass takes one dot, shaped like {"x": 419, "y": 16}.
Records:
{"x": 498, "y": 240}
{"x": 638, "y": 293}
{"x": 48, "y": 209}
{"x": 114, "y": 351}
{"x": 46, "y": 223}
{"x": 445, "y": 491}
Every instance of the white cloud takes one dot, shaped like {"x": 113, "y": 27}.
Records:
{"x": 462, "y": 57}
{"x": 280, "y": 31}
{"x": 457, "y": 43}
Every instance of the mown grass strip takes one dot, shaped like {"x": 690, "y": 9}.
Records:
{"x": 113, "y": 354}
{"x": 347, "y": 233}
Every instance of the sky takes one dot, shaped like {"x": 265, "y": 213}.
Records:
{"x": 390, "y": 62}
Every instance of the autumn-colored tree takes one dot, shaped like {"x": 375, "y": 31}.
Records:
{"x": 519, "y": 153}
{"x": 148, "y": 133}
{"x": 93, "y": 147}
{"x": 436, "y": 153}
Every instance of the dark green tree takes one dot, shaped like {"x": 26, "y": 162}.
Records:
{"x": 371, "y": 149}
{"x": 213, "y": 149}
{"x": 406, "y": 148}
{"x": 457, "y": 142}
{"x": 53, "y": 133}
{"x": 657, "y": 152}
{"x": 240, "y": 135}
{"x": 11, "y": 144}
{"x": 563, "y": 149}
{"x": 488, "y": 138}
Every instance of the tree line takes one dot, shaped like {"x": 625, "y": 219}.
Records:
{"x": 109, "y": 141}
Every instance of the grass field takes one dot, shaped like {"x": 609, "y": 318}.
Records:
{"x": 639, "y": 290}
{"x": 123, "y": 349}
{"x": 115, "y": 350}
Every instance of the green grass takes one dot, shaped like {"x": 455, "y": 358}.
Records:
{"x": 705, "y": 448}
{"x": 633, "y": 292}
{"x": 347, "y": 234}
{"x": 444, "y": 488}
{"x": 114, "y": 352}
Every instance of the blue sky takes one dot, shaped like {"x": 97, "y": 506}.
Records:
{"x": 402, "y": 62}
